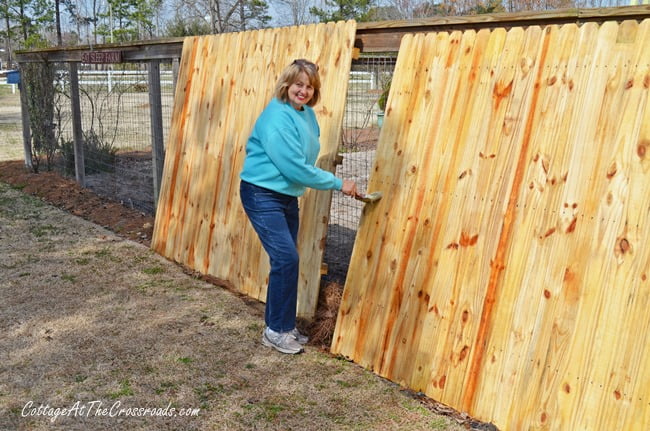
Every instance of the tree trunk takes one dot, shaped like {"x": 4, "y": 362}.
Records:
{"x": 242, "y": 14}
{"x": 214, "y": 16}
{"x": 23, "y": 20}
{"x": 95, "y": 21}
{"x": 8, "y": 41}
{"x": 57, "y": 11}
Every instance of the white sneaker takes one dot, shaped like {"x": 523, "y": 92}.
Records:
{"x": 281, "y": 341}
{"x": 300, "y": 338}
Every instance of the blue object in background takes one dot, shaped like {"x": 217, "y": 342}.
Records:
{"x": 13, "y": 77}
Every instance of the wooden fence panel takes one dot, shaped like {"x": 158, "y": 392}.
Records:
{"x": 225, "y": 81}
{"x": 505, "y": 271}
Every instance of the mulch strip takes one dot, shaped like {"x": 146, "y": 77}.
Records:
{"x": 66, "y": 194}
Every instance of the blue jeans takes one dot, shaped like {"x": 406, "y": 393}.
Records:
{"x": 275, "y": 218}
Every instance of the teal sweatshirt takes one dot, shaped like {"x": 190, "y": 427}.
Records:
{"x": 282, "y": 150}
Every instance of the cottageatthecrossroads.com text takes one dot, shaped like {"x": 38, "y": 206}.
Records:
{"x": 100, "y": 409}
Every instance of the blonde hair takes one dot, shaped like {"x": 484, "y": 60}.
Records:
{"x": 290, "y": 75}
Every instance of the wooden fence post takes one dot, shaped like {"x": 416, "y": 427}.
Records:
{"x": 157, "y": 142}
{"x": 176, "y": 62}
{"x": 24, "y": 111}
{"x": 77, "y": 134}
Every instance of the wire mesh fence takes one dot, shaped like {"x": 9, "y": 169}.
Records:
{"x": 116, "y": 129}
{"x": 369, "y": 77}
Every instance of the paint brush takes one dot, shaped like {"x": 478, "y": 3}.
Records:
{"x": 369, "y": 197}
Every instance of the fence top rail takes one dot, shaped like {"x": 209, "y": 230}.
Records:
{"x": 380, "y": 36}
{"x": 386, "y": 35}
{"x": 525, "y": 18}
{"x": 159, "y": 49}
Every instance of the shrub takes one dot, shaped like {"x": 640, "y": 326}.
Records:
{"x": 99, "y": 156}
{"x": 140, "y": 87}
{"x": 38, "y": 81}
{"x": 383, "y": 98}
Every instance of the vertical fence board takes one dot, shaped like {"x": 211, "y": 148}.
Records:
{"x": 200, "y": 222}
{"x": 505, "y": 271}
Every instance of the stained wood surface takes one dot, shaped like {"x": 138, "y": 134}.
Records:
{"x": 505, "y": 271}
{"x": 225, "y": 81}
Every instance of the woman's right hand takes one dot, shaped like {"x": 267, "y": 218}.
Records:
{"x": 349, "y": 188}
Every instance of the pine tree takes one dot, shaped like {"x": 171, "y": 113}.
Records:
{"x": 338, "y": 10}
{"x": 127, "y": 20}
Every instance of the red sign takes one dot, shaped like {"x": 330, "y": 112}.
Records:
{"x": 95, "y": 57}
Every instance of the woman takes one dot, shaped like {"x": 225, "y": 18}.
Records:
{"x": 279, "y": 165}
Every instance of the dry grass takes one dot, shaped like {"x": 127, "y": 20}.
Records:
{"x": 88, "y": 316}
{"x": 11, "y": 144}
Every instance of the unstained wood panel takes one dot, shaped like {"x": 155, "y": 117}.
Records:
{"x": 224, "y": 82}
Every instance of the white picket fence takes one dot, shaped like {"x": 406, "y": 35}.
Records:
{"x": 3, "y": 81}
{"x": 366, "y": 79}
{"x": 110, "y": 78}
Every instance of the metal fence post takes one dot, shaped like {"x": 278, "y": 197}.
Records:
{"x": 77, "y": 134}
{"x": 157, "y": 142}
